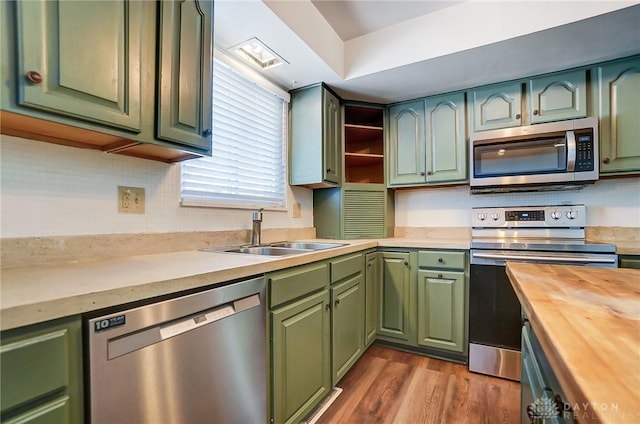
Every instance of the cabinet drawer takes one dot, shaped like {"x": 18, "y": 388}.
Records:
{"x": 297, "y": 282}
{"x": 56, "y": 411}
{"x": 33, "y": 367}
{"x": 441, "y": 259}
{"x": 341, "y": 268}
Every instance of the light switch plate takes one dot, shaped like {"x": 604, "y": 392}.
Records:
{"x": 131, "y": 200}
{"x": 296, "y": 211}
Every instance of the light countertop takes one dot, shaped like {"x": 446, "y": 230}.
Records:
{"x": 588, "y": 323}
{"x": 37, "y": 294}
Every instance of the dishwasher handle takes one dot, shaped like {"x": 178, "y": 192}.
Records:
{"x": 131, "y": 342}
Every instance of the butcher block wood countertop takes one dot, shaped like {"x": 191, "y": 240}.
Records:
{"x": 588, "y": 323}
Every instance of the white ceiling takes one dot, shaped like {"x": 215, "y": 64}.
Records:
{"x": 388, "y": 51}
{"x": 351, "y": 19}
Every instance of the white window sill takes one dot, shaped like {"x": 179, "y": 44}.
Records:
{"x": 197, "y": 203}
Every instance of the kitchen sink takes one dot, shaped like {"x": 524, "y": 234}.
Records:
{"x": 268, "y": 250}
{"x": 283, "y": 248}
{"x": 307, "y": 245}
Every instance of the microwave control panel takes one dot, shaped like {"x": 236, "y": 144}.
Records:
{"x": 584, "y": 151}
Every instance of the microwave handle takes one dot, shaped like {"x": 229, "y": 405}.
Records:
{"x": 571, "y": 151}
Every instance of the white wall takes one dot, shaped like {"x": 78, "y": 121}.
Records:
{"x": 50, "y": 190}
{"x": 609, "y": 203}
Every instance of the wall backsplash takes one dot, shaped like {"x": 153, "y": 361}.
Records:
{"x": 613, "y": 202}
{"x": 51, "y": 190}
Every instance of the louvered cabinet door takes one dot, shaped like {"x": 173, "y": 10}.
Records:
{"x": 364, "y": 214}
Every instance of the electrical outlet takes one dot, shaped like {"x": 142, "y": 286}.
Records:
{"x": 131, "y": 200}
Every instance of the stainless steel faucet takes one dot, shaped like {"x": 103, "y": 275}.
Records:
{"x": 256, "y": 230}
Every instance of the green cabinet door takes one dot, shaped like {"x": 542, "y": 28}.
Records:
{"x": 347, "y": 325}
{"x": 629, "y": 261}
{"x": 332, "y": 135}
{"x": 618, "y": 93}
{"x": 81, "y": 59}
{"x": 496, "y": 106}
{"x": 446, "y": 138}
{"x": 371, "y": 283}
{"x": 360, "y": 211}
{"x": 395, "y": 287}
{"x": 41, "y": 379}
{"x": 315, "y": 150}
{"x": 185, "y": 30}
{"x": 300, "y": 352}
{"x": 441, "y": 311}
{"x": 407, "y": 143}
{"x": 558, "y": 96}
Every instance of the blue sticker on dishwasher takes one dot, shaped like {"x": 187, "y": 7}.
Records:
{"x": 108, "y": 323}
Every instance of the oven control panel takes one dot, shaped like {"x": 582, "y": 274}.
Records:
{"x": 566, "y": 216}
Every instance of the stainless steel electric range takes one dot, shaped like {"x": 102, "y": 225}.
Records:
{"x": 540, "y": 234}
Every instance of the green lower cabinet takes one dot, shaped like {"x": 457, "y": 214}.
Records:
{"x": 395, "y": 289}
{"x": 371, "y": 286}
{"x": 41, "y": 379}
{"x": 300, "y": 357}
{"x": 629, "y": 261}
{"x": 347, "y": 325}
{"x": 441, "y": 311}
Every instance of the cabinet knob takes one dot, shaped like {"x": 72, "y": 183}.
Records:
{"x": 422, "y": 173}
{"x": 439, "y": 275}
{"x": 429, "y": 173}
{"x": 328, "y": 169}
{"x": 34, "y": 77}
{"x": 406, "y": 263}
{"x": 337, "y": 302}
{"x": 535, "y": 112}
{"x": 440, "y": 260}
{"x": 206, "y": 133}
{"x": 517, "y": 116}
{"x": 327, "y": 307}
{"x": 606, "y": 160}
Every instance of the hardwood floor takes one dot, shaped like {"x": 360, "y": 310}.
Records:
{"x": 391, "y": 386}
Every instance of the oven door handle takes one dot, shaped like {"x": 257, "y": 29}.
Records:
{"x": 543, "y": 258}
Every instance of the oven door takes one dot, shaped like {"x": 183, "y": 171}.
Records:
{"x": 495, "y": 323}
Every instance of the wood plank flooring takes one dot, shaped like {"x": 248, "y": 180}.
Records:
{"x": 392, "y": 386}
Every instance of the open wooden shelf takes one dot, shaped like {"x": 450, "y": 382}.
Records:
{"x": 364, "y": 145}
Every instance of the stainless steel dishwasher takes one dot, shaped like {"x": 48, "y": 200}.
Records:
{"x": 199, "y": 358}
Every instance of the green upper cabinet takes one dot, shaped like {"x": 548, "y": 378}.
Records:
{"x": 316, "y": 147}
{"x": 496, "y": 106}
{"x": 558, "y": 96}
{"x": 427, "y": 141}
{"x": 441, "y": 312}
{"x": 371, "y": 286}
{"x": 185, "y": 72}
{"x": 332, "y": 130}
{"x": 407, "y": 143}
{"x": 81, "y": 59}
{"x": 125, "y": 76}
{"x": 617, "y": 90}
{"x": 395, "y": 289}
{"x": 446, "y": 159}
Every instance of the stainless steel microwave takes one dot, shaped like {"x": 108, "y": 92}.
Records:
{"x": 551, "y": 156}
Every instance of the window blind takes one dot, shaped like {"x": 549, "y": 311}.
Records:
{"x": 247, "y": 167}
